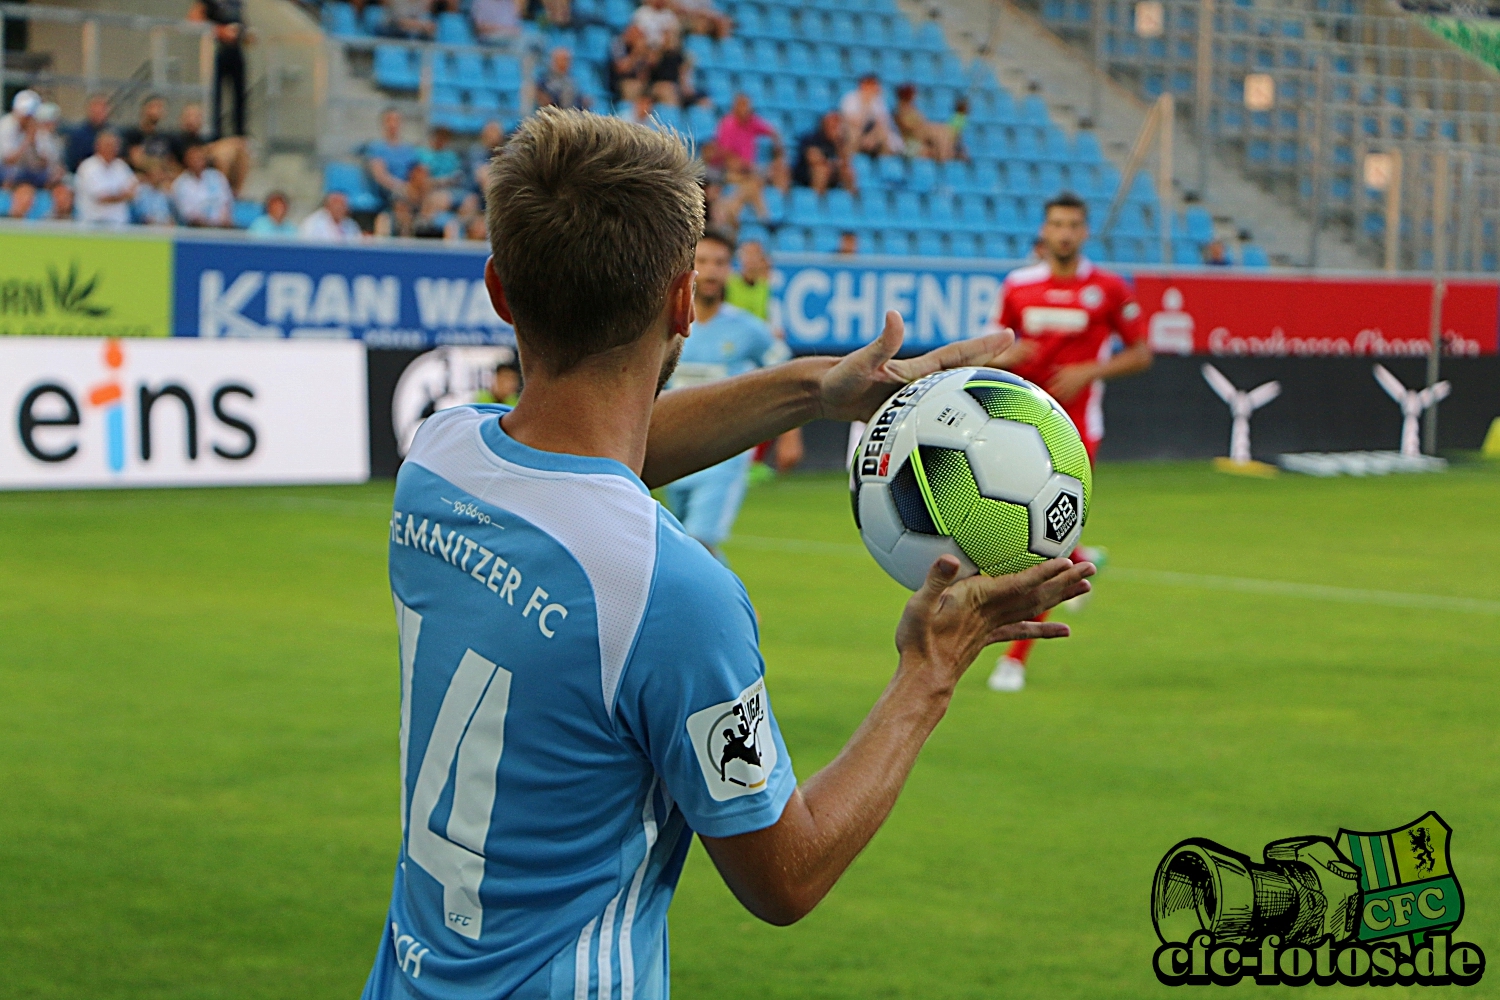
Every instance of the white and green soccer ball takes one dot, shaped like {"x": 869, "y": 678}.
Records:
{"x": 977, "y": 463}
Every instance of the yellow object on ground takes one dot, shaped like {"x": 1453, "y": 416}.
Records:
{"x": 1491, "y": 447}
{"x": 1252, "y": 468}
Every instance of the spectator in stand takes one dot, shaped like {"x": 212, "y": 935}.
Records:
{"x": 444, "y": 167}
{"x": 919, "y": 136}
{"x": 105, "y": 184}
{"x": 146, "y": 142}
{"x": 655, "y": 18}
{"x": 671, "y": 73}
{"x": 228, "y": 19}
{"x": 848, "y": 244}
{"x": 62, "y": 203}
{"x": 629, "y": 64}
{"x": 701, "y": 17}
{"x": 639, "y": 111}
{"x": 22, "y": 201}
{"x": 496, "y": 20}
{"x": 409, "y": 19}
{"x": 152, "y": 204}
{"x": 331, "y": 223}
{"x": 81, "y": 136}
{"x": 957, "y": 124}
{"x": 47, "y": 145}
{"x": 273, "y": 220}
{"x": 739, "y": 130}
{"x": 867, "y": 119}
{"x": 821, "y": 159}
{"x": 230, "y": 154}
{"x": 388, "y": 160}
{"x": 1214, "y": 254}
{"x": 555, "y": 85}
{"x": 200, "y": 194}
{"x": 478, "y": 158}
{"x": 18, "y": 159}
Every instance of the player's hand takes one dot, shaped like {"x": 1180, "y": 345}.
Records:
{"x": 1070, "y": 380}
{"x": 948, "y": 621}
{"x": 789, "y": 450}
{"x": 854, "y": 388}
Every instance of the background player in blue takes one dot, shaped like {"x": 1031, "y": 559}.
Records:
{"x": 581, "y": 684}
{"x": 725, "y": 340}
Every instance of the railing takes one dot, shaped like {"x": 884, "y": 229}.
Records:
{"x": 1300, "y": 94}
{"x": 105, "y": 55}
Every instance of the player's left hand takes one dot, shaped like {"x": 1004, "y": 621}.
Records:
{"x": 854, "y": 388}
{"x": 1070, "y": 380}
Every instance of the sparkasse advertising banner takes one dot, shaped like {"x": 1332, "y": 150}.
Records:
{"x": 93, "y": 412}
{"x": 59, "y": 284}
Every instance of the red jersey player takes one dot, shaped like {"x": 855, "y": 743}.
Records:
{"x": 1064, "y": 310}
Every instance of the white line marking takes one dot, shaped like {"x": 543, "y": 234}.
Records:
{"x": 1198, "y": 581}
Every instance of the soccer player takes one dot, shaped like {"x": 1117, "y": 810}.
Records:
{"x": 1066, "y": 312}
{"x": 581, "y": 688}
{"x": 726, "y": 340}
{"x": 750, "y": 289}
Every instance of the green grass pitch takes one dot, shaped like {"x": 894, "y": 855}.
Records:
{"x": 198, "y": 734}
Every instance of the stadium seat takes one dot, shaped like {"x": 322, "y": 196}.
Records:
{"x": 907, "y": 208}
{"x": 396, "y": 68}
{"x": 791, "y": 239}
{"x": 340, "y": 20}
{"x": 351, "y": 180}
{"x": 245, "y": 212}
{"x": 775, "y": 205}
{"x": 454, "y": 29}
{"x": 895, "y": 241}
{"x": 873, "y": 208}
{"x": 4, "y": 201}
{"x": 1253, "y": 256}
{"x": 804, "y": 207}
{"x": 1198, "y": 224}
{"x": 930, "y": 243}
{"x": 838, "y": 207}
{"x": 617, "y": 13}
{"x": 892, "y": 170}
{"x": 824, "y": 239}
{"x": 1000, "y": 246}
{"x": 922, "y": 175}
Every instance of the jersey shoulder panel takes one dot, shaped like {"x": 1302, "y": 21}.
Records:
{"x": 1031, "y": 274}
{"x": 605, "y": 521}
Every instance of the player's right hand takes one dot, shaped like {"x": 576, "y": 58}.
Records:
{"x": 949, "y": 621}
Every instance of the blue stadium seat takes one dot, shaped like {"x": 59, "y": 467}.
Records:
{"x": 245, "y": 212}
{"x": 373, "y": 20}
{"x": 1198, "y": 224}
{"x": 754, "y": 231}
{"x": 617, "y": 13}
{"x": 986, "y": 176}
{"x": 838, "y": 207}
{"x": 922, "y": 175}
{"x": 395, "y": 68}
{"x": 825, "y": 239}
{"x": 1253, "y": 256}
{"x": 703, "y": 123}
{"x": 4, "y": 201}
{"x": 999, "y": 246}
{"x": 966, "y": 244}
{"x": 454, "y": 29}
{"x": 791, "y": 239}
{"x": 973, "y": 210}
{"x": 350, "y": 178}
{"x": 940, "y": 212}
{"x": 892, "y": 170}
{"x": 775, "y": 204}
{"x": 779, "y": 23}
{"x": 804, "y": 207}
{"x": 873, "y": 210}
{"x": 340, "y": 20}
{"x": 895, "y": 241}
{"x": 907, "y": 208}
{"x": 930, "y": 243}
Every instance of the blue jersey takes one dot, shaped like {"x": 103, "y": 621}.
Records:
{"x": 732, "y": 343}
{"x": 581, "y": 689}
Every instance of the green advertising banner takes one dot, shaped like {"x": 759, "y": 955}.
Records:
{"x": 59, "y": 285}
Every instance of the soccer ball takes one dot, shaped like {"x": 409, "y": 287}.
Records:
{"x": 974, "y": 462}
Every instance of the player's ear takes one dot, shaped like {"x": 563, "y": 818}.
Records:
{"x": 680, "y": 303}
{"x": 497, "y": 291}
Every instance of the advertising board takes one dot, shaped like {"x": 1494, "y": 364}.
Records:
{"x": 90, "y": 412}
{"x": 60, "y": 284}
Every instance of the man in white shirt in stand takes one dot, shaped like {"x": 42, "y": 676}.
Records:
{"x": 331, "y": 223}
{"x": 200, "y": 194}
{"x": 868, "y": 119}
{"x": 105, "y": 184}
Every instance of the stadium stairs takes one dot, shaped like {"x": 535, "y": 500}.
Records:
{"x": 1026, "y": 55}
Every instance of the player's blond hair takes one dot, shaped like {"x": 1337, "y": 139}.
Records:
{"x": 590, "y": 219}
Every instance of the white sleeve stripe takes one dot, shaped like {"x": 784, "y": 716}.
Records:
{"x": 627, "y": 954}
{"x": 581, "y": 961}
{"x": 613, "y": 537}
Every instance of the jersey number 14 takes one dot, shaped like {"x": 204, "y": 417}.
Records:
{"x": 470, "y": 729}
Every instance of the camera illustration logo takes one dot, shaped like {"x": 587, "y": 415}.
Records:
{"x": 1377, "y": 908}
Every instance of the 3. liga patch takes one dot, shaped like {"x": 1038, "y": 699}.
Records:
{"x": 734, "y": 744}
{"x": 1061, "y": 516}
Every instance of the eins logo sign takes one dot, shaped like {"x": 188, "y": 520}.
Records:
{"x": 49, "y": 411}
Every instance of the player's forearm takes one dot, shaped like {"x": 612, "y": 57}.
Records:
{"x": 1131, "y": 361}
{"x": 694, "y": 428}
{"x": 781, "y": 873}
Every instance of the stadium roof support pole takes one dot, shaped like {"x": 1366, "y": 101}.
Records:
{"x": 1393, "y": 213}
{"x": 1440, "y": 214}
{"x": 1167, "y": 107}
{"x": 1316, "y": 143}
{"x": 1203, "y": 88}
{"x": 1096, "y": 83}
